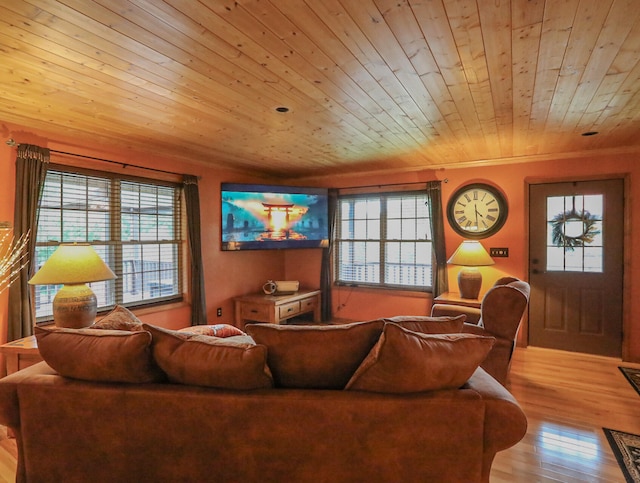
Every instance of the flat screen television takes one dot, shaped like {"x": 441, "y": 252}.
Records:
{"x": 259, "y": 217}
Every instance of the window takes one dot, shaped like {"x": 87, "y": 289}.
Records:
{"x": 574, "y": 233}
{"x": 133, "y": 224}
{"x": 384, "y": 239}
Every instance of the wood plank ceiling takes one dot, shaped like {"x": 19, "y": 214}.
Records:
{"x": 369, "y": 84}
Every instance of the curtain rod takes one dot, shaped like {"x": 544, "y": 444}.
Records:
{"x": 12, "y": 143}
{"x": 124, "y": 165}
{"x": 421, "y": 183}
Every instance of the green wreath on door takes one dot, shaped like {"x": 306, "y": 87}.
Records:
{"x": 587, "y": 233}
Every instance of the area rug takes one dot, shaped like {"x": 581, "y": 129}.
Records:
{"x": 633, "y": 376}
{"x": 626, "y": 448}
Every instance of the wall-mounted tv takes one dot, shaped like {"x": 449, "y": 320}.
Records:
{"x": 258, "y": 217}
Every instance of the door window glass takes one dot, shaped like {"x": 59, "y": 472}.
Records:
{"x": 574, "y": 233}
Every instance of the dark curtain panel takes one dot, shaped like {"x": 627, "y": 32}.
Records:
{"x": 198, "y": 301}
{"x": 434, "y": 201}
{"x": 31, "y": 169}
{"x": 325, "y": 269}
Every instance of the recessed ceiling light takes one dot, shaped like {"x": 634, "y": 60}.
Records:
{"x": 590, "y": 133}
{"x": 282, "y": 109}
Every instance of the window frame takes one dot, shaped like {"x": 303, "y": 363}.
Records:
{"x": 384, "y": 240}
{"x": 114, "y": 289}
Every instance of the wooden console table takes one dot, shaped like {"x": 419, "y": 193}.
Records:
{"x": 275, "y": 309}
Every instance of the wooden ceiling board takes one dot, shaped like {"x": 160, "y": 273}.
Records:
{"x": 348, "y": 102}
{"x": 425, "y": 89}
{"x": 383, "y": 114}
{"x": 613, "y": 56}
{"x": 370, "y": 84}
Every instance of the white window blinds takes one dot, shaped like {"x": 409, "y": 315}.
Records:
{"x": 134, "y": 225}
{"x": 384, "y": 239}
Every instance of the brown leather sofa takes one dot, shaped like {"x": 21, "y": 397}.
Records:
{"x": 75, "y": 431}
{"x": 500, "y": 316}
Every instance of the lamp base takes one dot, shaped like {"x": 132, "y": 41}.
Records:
{"x": 75, "y": 306}
{"x": 469, "y": 282}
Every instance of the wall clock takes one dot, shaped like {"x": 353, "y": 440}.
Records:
{"x": 477, "y": 210}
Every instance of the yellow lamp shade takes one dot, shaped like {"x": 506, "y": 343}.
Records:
{"x": 73, "y": 263}
{"x": 471, "y": 253}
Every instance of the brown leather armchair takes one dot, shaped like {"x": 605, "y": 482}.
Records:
{"x": 499, "y": 316}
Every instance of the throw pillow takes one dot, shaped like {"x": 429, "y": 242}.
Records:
{"x": 99, "y": 355}
{"x": 120, "y": 318}
{"x": 404, "y": 361}
{"x": 202, "y": 360}
{"x": 315, "y": 356}
{"x": 430, "y": 325}
{"x": 217, "y": 330}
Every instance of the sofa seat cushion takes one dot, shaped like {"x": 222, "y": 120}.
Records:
{"x": 200, "y": 360}
{"x": 430, "y": 325}
{"x": 315, "y": 356}
{"x": 404, "y": 361}
{"x": 99, "y": 355}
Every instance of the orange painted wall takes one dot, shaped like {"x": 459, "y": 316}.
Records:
{"x": 362, "y": 304}
{"x": 227, "y": 274}
{"x": 7, "y": 193}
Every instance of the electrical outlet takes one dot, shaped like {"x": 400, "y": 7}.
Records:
{"x": 499, "y": 252}
{"x": 219, "y": 312}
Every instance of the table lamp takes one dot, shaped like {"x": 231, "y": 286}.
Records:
{"x": 75, "y": 305}
{"x": 470, "y": 255}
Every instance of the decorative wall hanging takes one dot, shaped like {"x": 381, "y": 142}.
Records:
{"x": 573, "y": 228}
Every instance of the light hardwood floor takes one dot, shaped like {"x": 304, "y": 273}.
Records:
{"x": 8, "y": 456}
{"x": 568, "y": 399}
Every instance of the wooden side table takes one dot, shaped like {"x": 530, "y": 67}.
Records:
{"x": 453, "y": 298}
{"x": 20, "y": 353}
{"x": 275, "y": 309}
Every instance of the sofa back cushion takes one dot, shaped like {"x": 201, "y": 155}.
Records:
{"x": 430, "y": 325}
{"x": 201, "y": 360}
{"x": 99, "y": 354}
{"x": 404, "y": 361}
{"x": 315, "y": 356}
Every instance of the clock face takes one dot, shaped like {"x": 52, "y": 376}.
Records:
{"x": 477, "y": 210}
